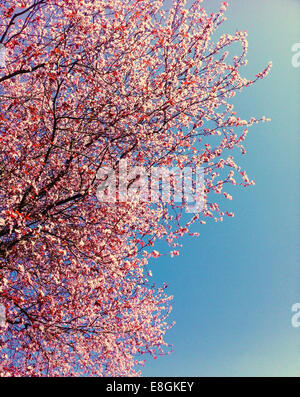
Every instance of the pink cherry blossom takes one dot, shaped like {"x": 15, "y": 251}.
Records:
{"x": 85, "y": 84}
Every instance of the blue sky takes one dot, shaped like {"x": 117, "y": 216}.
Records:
{"x": 234, "y": 285}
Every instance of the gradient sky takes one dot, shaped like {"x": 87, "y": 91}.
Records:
{"x": 234, "y": 285}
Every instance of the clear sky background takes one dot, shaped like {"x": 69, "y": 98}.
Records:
{"x": 234, "y": 285}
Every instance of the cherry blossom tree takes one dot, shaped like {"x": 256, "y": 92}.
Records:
{"x": 86, "y": 84}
